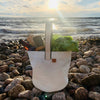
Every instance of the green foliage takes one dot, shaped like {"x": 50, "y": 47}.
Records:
{"x": 63, "y": 43}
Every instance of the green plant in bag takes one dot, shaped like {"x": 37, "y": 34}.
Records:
{"x": 63, "y": 43}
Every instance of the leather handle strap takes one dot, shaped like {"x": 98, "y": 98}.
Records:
{"x": 48, "y": 34}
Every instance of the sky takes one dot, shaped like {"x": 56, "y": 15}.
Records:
{"x": 43, "y": 8}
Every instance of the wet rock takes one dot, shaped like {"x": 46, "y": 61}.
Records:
{"x": 81, "y": 94}
{"x": 59, "y": 96}
{"x": 28, "y": 84}
{"x": 4, "y": 68}
{"x": 25, "y": 94}
{"x": 84, "y": 69}
{"x": 74, "y": 70}
{"x": 96, "y": 70}
{"x": 13, "y": 83}
{"x": 28, "y": 72}
{"x": 81, "y": 61}
{"x": 35, "y": 98}
{"x": 94, "y": 95}
{"x": 4, "y": 76}
{"x": 36, "y": 92}
{"x": 28, "y": 67}
{"x": 91, "y": 80}
{"x": 16, "y": 90}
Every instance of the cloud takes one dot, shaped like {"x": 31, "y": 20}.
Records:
{"x": 40, "y": 7}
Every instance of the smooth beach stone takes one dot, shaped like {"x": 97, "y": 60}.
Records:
{"x": 84, "y": 69}
{"x": 88, "y": 53}
{"x": 25, "y": 94}
{"x": 27, "y": 84}
{"x": 94, "y": 95}
{"x": 81, "y": 61}
{"x": 77, "y": 77}
{"x": 96, "y": 70}
{"x": 59, "y": 96}
{"x": 4, "y": 76}
{"x": 2, "y": 96}
{"x": 35, "y": 98}
{"x": 16, "y": 90}
{"x": 36, "y": 92}
{"x": 19, "y": 64}
{"x": 81, "y": 94}
{"x": 8, "y": 81}
{"x": 15, "y": 72}
{"x": 91, "y": 80}
{"x": 15, "y": 55}
{"x": 74, "y": 70}
{"x": 4, "y": 68}
{"x": 9, "y": 62}
{"x": 28, "y": 72}
{"x": 72, "y": 85}
{"x": 12, "y": 68}
{"x": 97, "y": 58}
{"x": 28, "y": 67}
{"x": 13, "y": 83}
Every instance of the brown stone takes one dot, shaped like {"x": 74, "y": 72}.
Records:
{"x": 81, "y": 94}
{"x": 16, "y": 90}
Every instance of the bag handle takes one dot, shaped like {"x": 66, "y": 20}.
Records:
{"x": 48, "y": 35}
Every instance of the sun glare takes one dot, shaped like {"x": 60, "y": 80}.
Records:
{"x": 53, "y": 4}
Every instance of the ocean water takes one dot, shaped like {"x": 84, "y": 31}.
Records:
{"x": 18, "y": 28}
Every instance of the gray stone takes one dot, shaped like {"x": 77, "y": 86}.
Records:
{"x": 59, "y": 96}
{"x": 25, "y": 94}
{"x": 84, "y": 69}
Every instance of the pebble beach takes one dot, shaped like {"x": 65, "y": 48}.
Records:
{"x": 16, "y": 74}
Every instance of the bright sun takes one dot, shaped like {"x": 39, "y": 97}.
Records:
{"x": 53, "y": 4}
